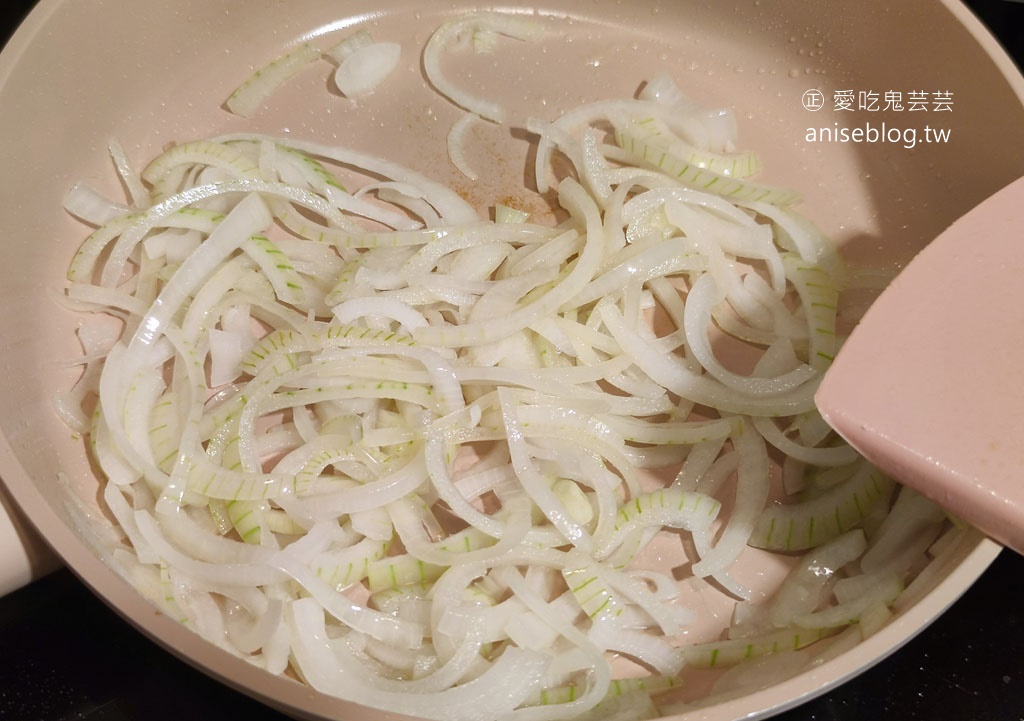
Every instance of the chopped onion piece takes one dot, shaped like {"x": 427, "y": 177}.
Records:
{"x": 348, "y": 45}
{"x": 514, "y": 26}
{"x": 248, "y": 97}
{"x": 456, "y": 144}
{"x": 366, "y": 67}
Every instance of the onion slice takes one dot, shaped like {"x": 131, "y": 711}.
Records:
{"x": 366, "y": 67}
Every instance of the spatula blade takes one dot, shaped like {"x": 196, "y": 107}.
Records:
{"x": 930, "y": 385}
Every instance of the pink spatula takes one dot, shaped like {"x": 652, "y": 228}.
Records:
{"x": 930, "y": 385}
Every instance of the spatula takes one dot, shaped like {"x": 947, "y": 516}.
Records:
{"x": 930, "y": 385}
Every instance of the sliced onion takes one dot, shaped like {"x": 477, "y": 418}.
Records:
{"x": 514, "y": 26}
{"x": 248, "y": 97}
{"x": 456, "y": 145}
{"x": 366, "y": 67}
{"x": 352, "y": 430}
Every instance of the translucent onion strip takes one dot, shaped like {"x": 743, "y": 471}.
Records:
{"x": 514, "y": 26}
{"x": 353, "y": 431}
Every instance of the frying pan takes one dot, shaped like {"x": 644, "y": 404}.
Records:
{"x": 156, "y": 73}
